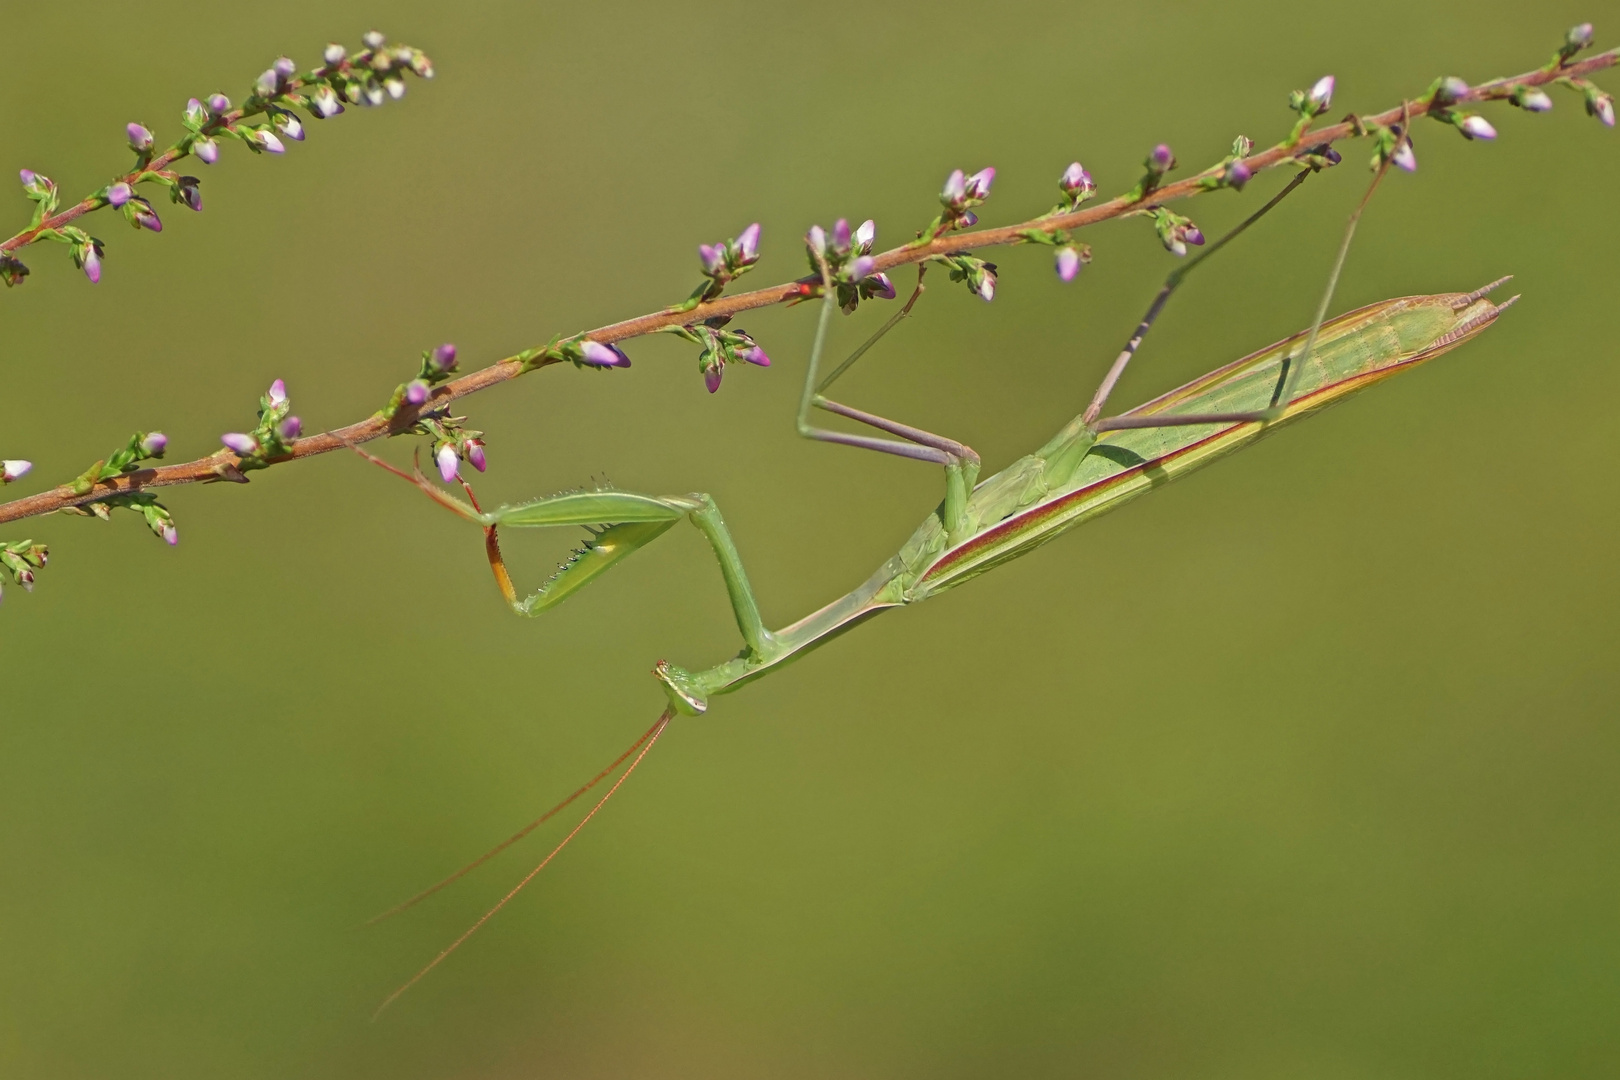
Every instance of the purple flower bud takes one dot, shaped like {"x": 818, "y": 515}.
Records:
{"x": 13, "y": 470}
{"x": 817, "y": 239}
{"x": 880, "y": 285}
{"x": 27, "y": 176}
{"x": 277, "y": 393}
{"x": 711, "y": 377}
{"x": 171, "y": 535}
{"x": 1602, "y": 107}
{"x": 475, "y": 455}
{"x": 1192, "y": 234}
{"x": 207, "y": 151}
{"x": 1076, "y": 181}
{"x": 90, "y": 260}
{"x": 140, "y": 139}
{"x": 219, "y": 104}
{"x": 1162, "y": 159}
{"x": 372, "y": 93}
{"x": 1068, "y": 263}
{"x": 748, "y": 244}
{"x": 862, "y": 266}
{"x": 978, "y": 185}
{"x": 1321, "y": 95}
{"x": 955, "y": 190}
{"x": 25, "y": 578}
{"x": 1534, "y": 99}
{"x": 444, "y": 358}
{"x": 841, "y": 236}
{"x": 285, "y": 67}
{"x": 712, "y": 258}
{"x": 1477, "y": 127}
{"x": 289, "y": 125}
{"x": 1451, "y": 89}
{"x": 268, "y": 83}
{"x": 147, "y": 218}
{"x": 596, "y": 354}
{"x": 119, "y": 193}
{"x": 1579, "y": 37}
{"x": 865, "y": 236}
{"x": 987, "y": 285}
{"x": 196, "y": 115}
{"x": 267, "y": 139}
{"x": 1238, "y": 174}
{"x": 373, "y": 39}
{"x": 395, "y": 87}
{"x": 245, "y": 445}
{"x": 290, "y": 428}
{"x": 325, "y": 103}
{"x": 449, "y": 463}
{"x": 416, "y": 391}
{"x": 191, "y": 192}
{"x": 335, "y": 54}
{"x": 754, "y": 355}
{"x": 1403, "y": 158}
{"x": 154, "y": 444}
{"x": 967, "y": 220}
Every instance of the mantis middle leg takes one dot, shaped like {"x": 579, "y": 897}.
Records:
{"x": 960, "y": 460}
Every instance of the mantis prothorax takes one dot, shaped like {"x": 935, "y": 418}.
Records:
{"x": 1091, "y": 466}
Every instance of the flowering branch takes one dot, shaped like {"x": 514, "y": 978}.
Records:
{"x": 422, "y": 405}
{"x": 368, "y": 77}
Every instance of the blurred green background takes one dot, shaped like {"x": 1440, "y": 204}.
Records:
{"x": 1304, "y": 767}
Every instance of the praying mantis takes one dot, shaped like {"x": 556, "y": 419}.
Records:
{"x": 1092, "y": 465}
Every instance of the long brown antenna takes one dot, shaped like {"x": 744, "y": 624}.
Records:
{"x": 650, "y": 738}
{"x": 521, "y": 833}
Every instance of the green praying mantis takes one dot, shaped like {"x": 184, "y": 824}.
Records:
{"x": 1094, "y": 464}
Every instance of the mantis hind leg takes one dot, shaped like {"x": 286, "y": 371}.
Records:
{"x": 960, "y": 461}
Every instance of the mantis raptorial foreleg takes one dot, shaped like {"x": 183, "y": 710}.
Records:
{"x": 960, "y": 460}
{"x": 620, "y": 522}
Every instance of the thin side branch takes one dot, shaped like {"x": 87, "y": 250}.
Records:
{"x": 222, "y": 465}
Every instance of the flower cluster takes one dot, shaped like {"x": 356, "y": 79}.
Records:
{"x": 847, "y": 257}
{"x": 274, "y": 435}
{"x": 1175, "y": 232}
{"x": 976, "y": 273}
{"x": 21, "y": 558}
{"x": 1598, "y": 103}
{"x": 1393, "y": 146}
{"x": 721, "y": 347}
{"x": 453, "y": 443}
{"x": 959, "y": 196}
{"x": 142, "y": 446}
{"x": 1310, "y": 104}
{"x": 1444, "y": 95}
{"x": 722, "y": 264}
{"x": 438, "y": 365}
{"x": 369, "y": 77}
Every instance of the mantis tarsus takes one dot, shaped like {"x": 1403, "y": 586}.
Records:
{"x": 1092, "y": 465}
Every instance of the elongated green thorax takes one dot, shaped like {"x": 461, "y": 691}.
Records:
{"x": 1079, "y": 475}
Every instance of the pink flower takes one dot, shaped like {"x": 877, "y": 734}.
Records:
{"x": 449, "y": 463}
